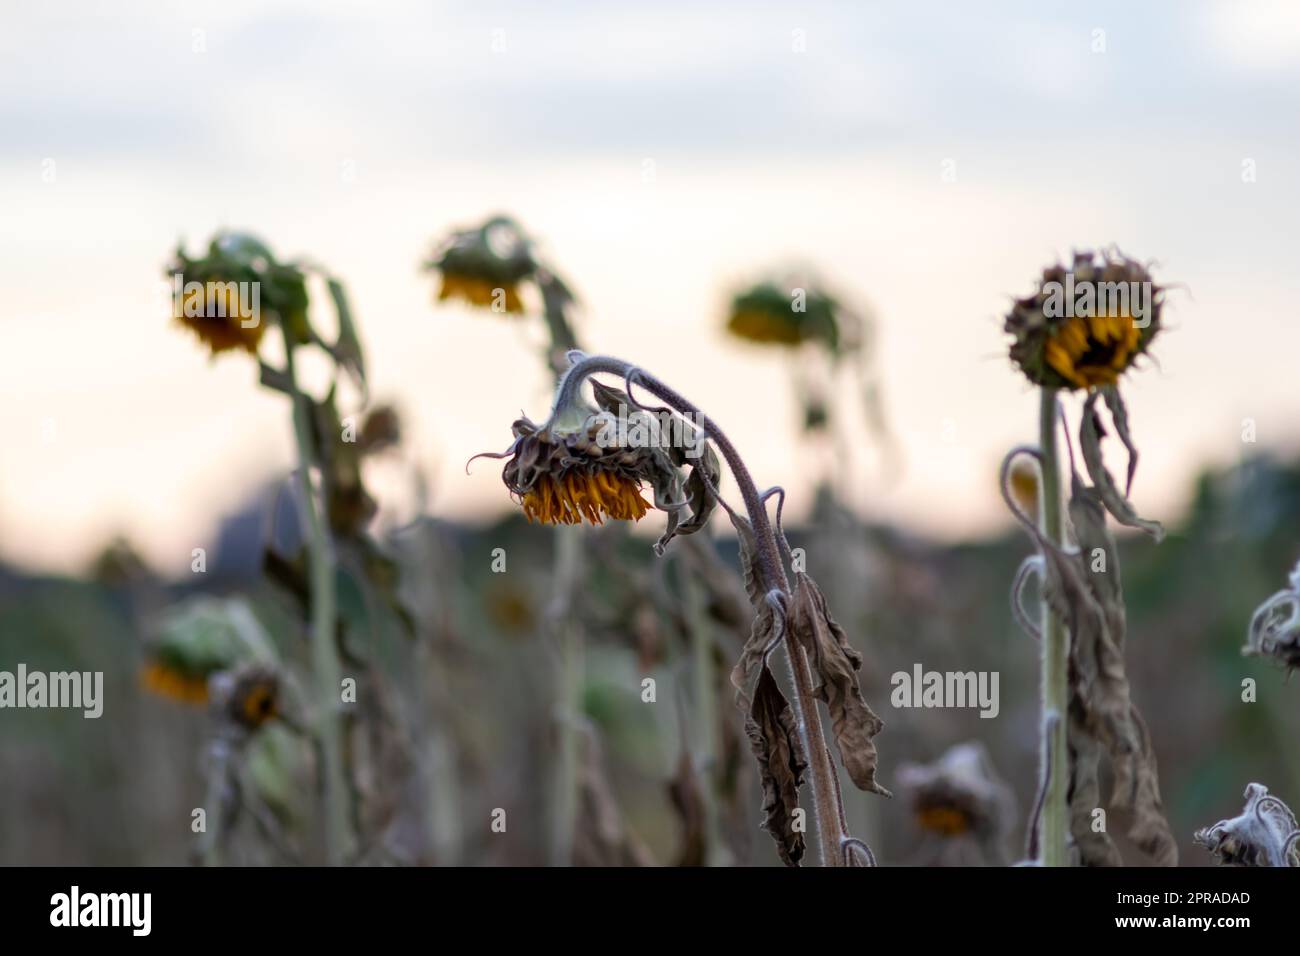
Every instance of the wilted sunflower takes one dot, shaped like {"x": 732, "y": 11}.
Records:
{"x": 1275, "y": 626}
{"x": 229, "y": 296}
{"x": 961, "y": 795}
{"x": 1265, "y": 834}
{"x": 770, "y": 314}
{"x": 249, "y": 696}
{"x": 1085, "y": 324}
{"x": 588, "y": 464}
{"x": 485, "y": 266}
{"x": 166, "y": 680}
{"x": 200, "y": 638}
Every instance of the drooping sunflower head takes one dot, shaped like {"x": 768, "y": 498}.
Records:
{"x": 586, "y": 464}
{"x": 1087, "y": 323}
{"x": 253, "y": 696}
{"x": 959, "y": 794}
{"x": 198, "y": 639}
{"x": 791, "y": 313}
{"x": 485, "y": 266}
{"x": 166, "y": 680}
{"x": 228, "y": 297}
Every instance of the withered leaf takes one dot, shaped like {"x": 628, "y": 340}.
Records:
{"x": 1090, "y": 435}
{"x": 774, "y": 738}
{"x": 1084, "y": 589}
{"x": 1098, "y": 654}
{"x": 1136, "y": 790}
{"x": 835, "y": 664}
{"x": 689, "y": 502}
{"x": 769, "y": 720}
{"x": 748, "y": 560}
{"x": 1084, "y": 797}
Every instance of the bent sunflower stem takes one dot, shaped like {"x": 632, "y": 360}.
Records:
{"x": 1054, "y": 818}
{"x": 325, "y": 658}
{"x": 828, "y": 829}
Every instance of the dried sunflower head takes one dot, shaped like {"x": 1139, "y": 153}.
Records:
{"x": 200, "y": 638}
{"x": 250, "y": 696}
{"x": 771, "y": 313}
{"x": 1085, "y": 325}
{"x": 485, "y": 266}
{"x": 590, "y": 463}
{"x": 1275, "y": 626}
{"x": 960, "y": 794}
{"x": 227, "y": 297}
{"x": 1265, "y": 834}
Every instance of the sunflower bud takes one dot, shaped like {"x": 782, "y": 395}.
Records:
{"x": 1085, "y": 326}
{"x": 1265, "y": 833}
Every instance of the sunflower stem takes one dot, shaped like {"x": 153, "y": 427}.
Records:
{"x": 570, "y": 667}
{"x": 1054, "y": 819}
{"x": 827, "y": 826}
{"x": 325, "y": 659}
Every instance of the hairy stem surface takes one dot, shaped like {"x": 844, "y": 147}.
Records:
{"x": 1054, "y": 820}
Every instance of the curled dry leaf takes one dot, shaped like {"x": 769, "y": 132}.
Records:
{"x": 705, "y": 471}
{"x": 835, "y": 664}
{"x": 774, "y": 738}
{"x": 1091, "y": 433}
{"x": 769, "y": 720}
{"x": 1265, "y": 834}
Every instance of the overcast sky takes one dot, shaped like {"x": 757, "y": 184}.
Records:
{"x": 662, "y": 152}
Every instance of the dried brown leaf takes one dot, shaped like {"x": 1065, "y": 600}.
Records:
{"x": 835, "y": 664}
{"x": 1090, "y": 436}
{"x": 774, "y": 739}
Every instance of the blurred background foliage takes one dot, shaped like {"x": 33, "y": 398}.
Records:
{"x": 469, "y": 688}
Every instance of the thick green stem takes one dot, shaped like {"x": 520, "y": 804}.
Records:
{"x": 1054, "y": 820}
{"x": 325, "y": 659}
